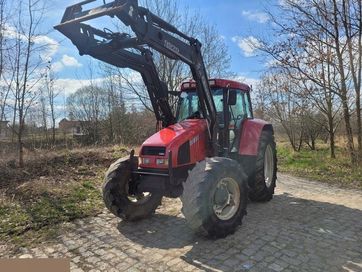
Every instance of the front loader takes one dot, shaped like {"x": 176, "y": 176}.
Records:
{"x": 212, "y": 153}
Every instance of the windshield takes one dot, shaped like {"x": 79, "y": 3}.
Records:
{"x": 189, "y": 106}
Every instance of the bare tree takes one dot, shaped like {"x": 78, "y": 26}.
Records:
{"x": 51, "y": 95}
{"x": 89, "y": 105}
{"x": 283, "y": 106}
{"x": 115, "y": 102}
{"x": 351, "y": 18}
{"x": 313, "y": 127}
{"x": 43, "y": 113}
{"x": 312, "y": 47}
{"x": 6, "y": 75}
{"x": 26, "y": 64}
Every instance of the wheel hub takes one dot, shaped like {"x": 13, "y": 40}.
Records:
{"x": 226, "y": 198}
{"x": 221, "y": 196}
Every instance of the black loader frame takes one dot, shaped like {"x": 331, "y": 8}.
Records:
{"x": 152, "y": 31}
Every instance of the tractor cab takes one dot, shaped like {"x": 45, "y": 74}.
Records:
{"x": 232, "y": 103}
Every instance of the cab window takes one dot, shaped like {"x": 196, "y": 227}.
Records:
{"x": 247, "y": 106}
{"x": 238, "y": 110}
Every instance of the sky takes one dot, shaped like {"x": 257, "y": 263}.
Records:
{"x": 237, "y": 21}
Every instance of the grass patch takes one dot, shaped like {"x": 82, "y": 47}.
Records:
{"x": 80, "y": 200}
{"x": 319, "y": 166}
{"x": 34, "y": 206}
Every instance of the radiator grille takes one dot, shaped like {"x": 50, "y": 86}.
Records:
{"x": 153, "y": 151}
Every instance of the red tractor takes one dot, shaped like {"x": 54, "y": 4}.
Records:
{"x": 212, "y": 153}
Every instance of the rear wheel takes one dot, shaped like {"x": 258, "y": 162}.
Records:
{"x": 215, "y": 197}
{"x": 119, "y": 196}
{"x": 265, "y": 176}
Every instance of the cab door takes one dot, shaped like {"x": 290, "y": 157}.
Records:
{"x": 238, "y": 114}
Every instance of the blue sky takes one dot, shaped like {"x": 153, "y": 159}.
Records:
{"x": 236, "y": 21}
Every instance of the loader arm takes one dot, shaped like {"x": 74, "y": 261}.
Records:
{"x": 140, "y": 59}
{"x": 149, "y": 30}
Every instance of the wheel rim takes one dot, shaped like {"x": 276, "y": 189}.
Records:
{"x": 226, "y": 198}
{"x": 268, "y": 166}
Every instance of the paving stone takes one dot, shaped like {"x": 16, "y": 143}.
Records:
{"x": 276, "y": 267}
{"x": 77, "y": 270}
{"x": 298, "y": 230}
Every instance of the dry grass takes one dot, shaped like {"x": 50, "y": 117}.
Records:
{"x": 53, "y": 188}
{"x": 318, "y": 165}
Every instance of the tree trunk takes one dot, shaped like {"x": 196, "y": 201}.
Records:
{"x": 53, "y": 131}
{"x": 331, "y": 138}
{"x": 359, "y": 124}
{"x": 20, "y": 144}
{"x": 347, "y": 121}
{"x": 354, "y": 70}
{"x": 343, "y": 90}
{"x": 359, "y": 80}
{"x": 313, "y": 143}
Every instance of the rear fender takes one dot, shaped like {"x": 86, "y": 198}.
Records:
{"x": 250, "y": 136}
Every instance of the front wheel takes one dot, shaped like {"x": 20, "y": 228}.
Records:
{"x": 264, "y": 179}
{"x": 215, "y": 197}
{"x": 118, "y": 193}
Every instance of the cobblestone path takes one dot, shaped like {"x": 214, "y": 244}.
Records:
{"x": 308, "y": 226}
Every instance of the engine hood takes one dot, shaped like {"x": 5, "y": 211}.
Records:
{"x": 176, "y": 134}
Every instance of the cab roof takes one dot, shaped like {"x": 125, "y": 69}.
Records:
{"x": 221, "y": 83}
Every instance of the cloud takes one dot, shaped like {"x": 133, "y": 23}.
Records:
{"x": 247, "y": 80}
{"x": 50, "y": 45}
{"x": 70, "y": 85}
{"x": 66, "y": 61}
{"x": 257, "y": 16}
{"x": 248, "y": 45}
{"x": 11, "y": 33}
{"x": 57, "y": 66}
{"x": 70, "y": 61}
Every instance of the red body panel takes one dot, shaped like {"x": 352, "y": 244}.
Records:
{"x": 250, "y": 135}
{"x": 172, "y": 137}
{"x": 221, "y": 83}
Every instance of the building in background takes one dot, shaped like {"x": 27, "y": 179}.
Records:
{"x": 72, "y": 127}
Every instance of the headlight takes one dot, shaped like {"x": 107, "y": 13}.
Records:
{"x": 146, "y": 161}
{"x": 162, "y": 161}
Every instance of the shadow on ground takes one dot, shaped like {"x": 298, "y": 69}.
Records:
{"x": 160, "y": 231}
{"x": 288, "y": 232}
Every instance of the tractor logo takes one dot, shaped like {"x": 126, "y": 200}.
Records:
{"x": 171, "y": 47}
{"x": 194, "y": 140}
{"x": 130, "y": 13}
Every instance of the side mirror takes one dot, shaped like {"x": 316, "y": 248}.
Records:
{"x": 231, "y": 98}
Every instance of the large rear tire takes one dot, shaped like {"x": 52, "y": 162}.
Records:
{"x": 215, "y": 197}
{"x": 117, "y": 196}
{"x": 264, "y": 179}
